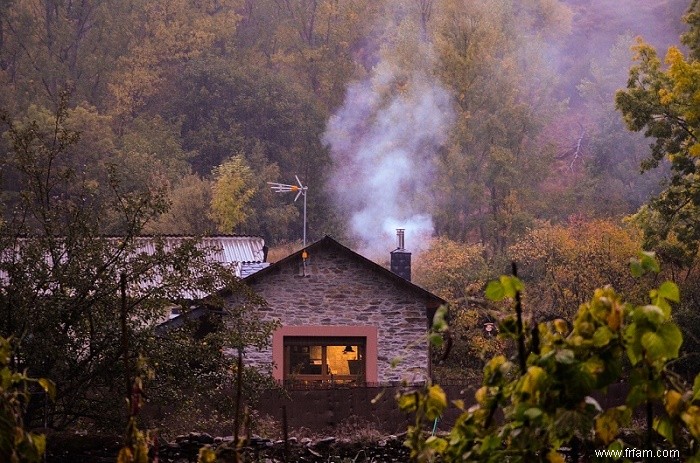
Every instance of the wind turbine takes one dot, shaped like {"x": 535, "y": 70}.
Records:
{"x": 301, "y": 191}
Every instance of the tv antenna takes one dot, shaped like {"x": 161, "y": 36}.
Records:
{"x": 301, "y": 191}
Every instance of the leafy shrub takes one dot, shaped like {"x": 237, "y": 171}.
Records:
{"x": 543, "y": 395}
{"x": 16, "y": 444}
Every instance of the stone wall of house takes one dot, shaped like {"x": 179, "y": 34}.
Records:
{"x": 336, "y": 289}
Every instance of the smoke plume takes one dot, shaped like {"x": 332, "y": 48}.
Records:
{"x": 384, "y": 141}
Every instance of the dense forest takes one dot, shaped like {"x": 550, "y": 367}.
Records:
{"x": 474, "y": 122}
{"x": 556, "y": 133}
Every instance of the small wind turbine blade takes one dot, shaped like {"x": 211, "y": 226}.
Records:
{"x": 298, "y": 194}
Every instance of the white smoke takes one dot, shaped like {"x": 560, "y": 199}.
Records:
{"x": 384, "y": 140}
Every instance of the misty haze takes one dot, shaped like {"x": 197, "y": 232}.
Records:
{"x": 203, "y": 203}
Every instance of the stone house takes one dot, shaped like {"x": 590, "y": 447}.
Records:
{"x": 344, "y": 318}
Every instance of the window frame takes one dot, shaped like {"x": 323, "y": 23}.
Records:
{"x": 305, "y": 345}
{"x": 368, "y": 333}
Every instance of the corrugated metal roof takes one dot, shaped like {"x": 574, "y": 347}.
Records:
{"x": 224, "y": 249}
{"x": 248, "y": 268}
{"x": 244, "y": 255}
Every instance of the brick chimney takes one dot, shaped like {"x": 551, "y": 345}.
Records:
{"x": 400, "y": 258}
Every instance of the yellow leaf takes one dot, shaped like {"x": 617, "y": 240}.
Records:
{"x": 437, "y": 401}
{"x": 691, "y": 417}
{"x": 206, "y": 455}
{"x": 480, "y": 395}
{"x": 49, "y": 387}
{"x": 673, "y": 402}
{"x": 561, "y": 326}
{"x": 606, "y": 427}
{"x": 555, "y": 457}
{"x": 125, "y": 455}
{"x": 533, "y": 380}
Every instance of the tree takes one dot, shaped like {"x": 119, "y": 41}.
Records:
{"x": 62, "y": 278}
{"x": 228, "y": 109}
{"x": 158, "y": 145}
{"x": 190, "y": 209}
{"x": 562, "y": 264}
{"x": 50, "y": 46}
{"x": 171, "y": 33}
{"x": 492, "y": 168}
{"x": 611, "y": 155}
{"x": 664, "y": 102}
{"x": 312, "y": 42}
{"x": 232, "y": 188}
{"x": 457, "y": 272}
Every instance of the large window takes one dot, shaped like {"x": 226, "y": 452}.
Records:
{"x": 337, "y": 360}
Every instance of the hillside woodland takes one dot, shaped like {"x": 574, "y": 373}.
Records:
{"x": 560, "y": 134}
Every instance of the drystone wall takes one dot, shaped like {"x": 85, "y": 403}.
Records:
{"x": 185, "y": 449}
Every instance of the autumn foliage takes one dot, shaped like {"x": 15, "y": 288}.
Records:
{"x": 544, "y": 395}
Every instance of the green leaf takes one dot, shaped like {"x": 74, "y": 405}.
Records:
{"x": 602, "y": 336}
{"x": 664, "y": 343}
{"x": 505, "y": 286}
{"x": 669, "y": 290}
{"x": 649, "y": 262}
{"x": 439, "y": 319}
{"x": 696, "y": 387}
{"x": 616, "y": 448}
{"x": 490, "y": 442}
{"x": 436, "y": 340}
{"x": 533, "y": 413}
{"x": 436, "y": 443}
{"x": 663, "y": 426}
{"x": 495, "y": 291}
{"x": 636, "y": 396}
{"x": 636, "y": 268}
{"x": 650, "y": 313}
{"x": 646, "y": 262}
{"x": 634, "y": 347}
{"x": 511, "y": 285}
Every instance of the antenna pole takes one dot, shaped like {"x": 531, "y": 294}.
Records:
{"x": 300, "y": 190}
